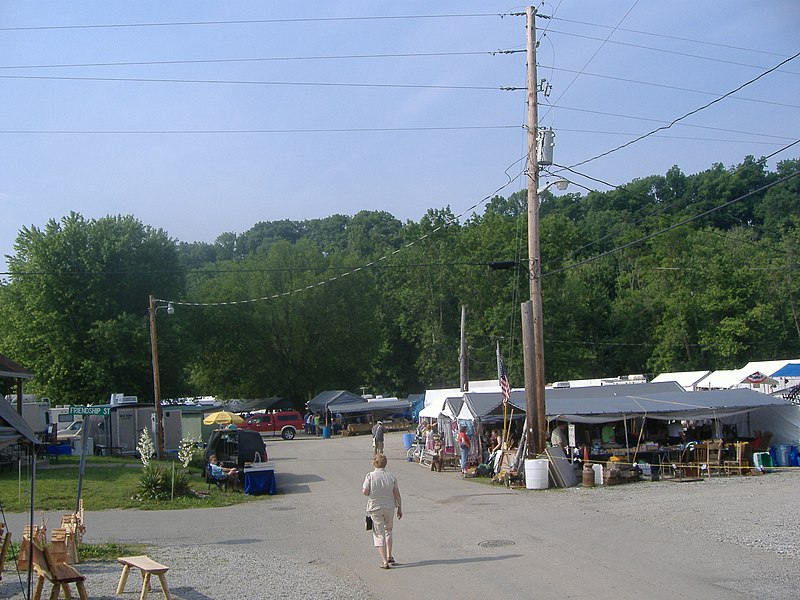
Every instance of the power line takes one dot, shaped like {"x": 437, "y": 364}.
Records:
{"x": 201, "y": 61}
{"x": 247, "y": 131}
{"x": 670, "y": 37}
{"x": 691, "y": 112}
{"x": 651, "y": 120}
{"x": 273, "y": 83}
{"x": 252, "y": 21}
{"x": 677, "y": 53}
{"x": 247, "y": 271}
{"x": 671, "y": 87}
{"x": 673, "y": 226}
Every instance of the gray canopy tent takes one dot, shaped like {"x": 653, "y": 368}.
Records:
{"x": 15, "y": 431}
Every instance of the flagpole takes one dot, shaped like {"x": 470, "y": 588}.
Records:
{"x": 500, "y": 382}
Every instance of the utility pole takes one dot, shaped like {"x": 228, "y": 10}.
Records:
{"x": 156, "y": 381}
{"x": 536, "y": 420}
{"x": 463, "y": 357}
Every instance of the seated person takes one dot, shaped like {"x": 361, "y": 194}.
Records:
{"x": 220, "y": 473}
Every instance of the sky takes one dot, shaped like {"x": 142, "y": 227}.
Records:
{"x": 202, "y": 118}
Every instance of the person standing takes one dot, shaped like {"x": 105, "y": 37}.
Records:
{"x": 317, "y": 424}
{"x": 377, "y": 438}
{"x": 463, "y": 447}
{"x": 383, "y": 494}
{"x": 559, "y": 437}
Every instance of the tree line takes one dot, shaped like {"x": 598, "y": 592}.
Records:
{"x": 667, "y": 273}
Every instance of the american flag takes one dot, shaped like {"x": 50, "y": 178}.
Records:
{"x": 505, "y": 388}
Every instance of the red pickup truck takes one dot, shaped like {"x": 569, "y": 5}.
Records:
{"x": 283, "y": 422}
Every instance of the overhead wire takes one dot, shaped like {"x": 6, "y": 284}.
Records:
{"x": 668, "y": 36}
{"x": 249, "y": 21}
{"x": 688, "y": 114}
{"x": 202, "y": 61}
{"x": 673, "y": 226}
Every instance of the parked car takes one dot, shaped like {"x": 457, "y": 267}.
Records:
{"x": 234, "y": 447}
{"x": 282, "y": 422}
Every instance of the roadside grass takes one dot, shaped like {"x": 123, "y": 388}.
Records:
{"x": 108, "y": 483}
{"x": 94, "y": 552}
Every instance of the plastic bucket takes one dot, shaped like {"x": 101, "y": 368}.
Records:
{"x": 408, "y": 440}
{"x": 326, "y": 432}
{"x": 536, "y": 473}
{"x": 782, "y": 453}
{"x": 762, "y": 460}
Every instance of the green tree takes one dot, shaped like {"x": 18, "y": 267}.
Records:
{"x": 76, "y": 305}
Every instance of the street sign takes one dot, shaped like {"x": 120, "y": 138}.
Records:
{"x": 90, "y": 410}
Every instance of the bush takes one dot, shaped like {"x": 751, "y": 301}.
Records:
{"x": 160, "y": 483}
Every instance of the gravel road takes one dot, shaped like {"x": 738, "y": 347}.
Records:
{"x": 727, "y": 537}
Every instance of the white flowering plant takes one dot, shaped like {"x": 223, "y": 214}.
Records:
{"x": 186, "y": 450}
{"x": 145, "y": 447}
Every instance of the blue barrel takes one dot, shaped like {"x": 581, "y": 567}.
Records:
{"x": 326, "y": 431}
{"x": 408, "y": 440}
{"x": 782, "y": 454}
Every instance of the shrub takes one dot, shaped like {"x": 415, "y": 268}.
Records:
{"x": 160, "y": 483}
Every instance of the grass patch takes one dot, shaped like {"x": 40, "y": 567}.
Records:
{"x": 108, "y": 483}
{"x": 94, "y": 552}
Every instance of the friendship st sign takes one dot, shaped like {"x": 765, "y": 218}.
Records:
{"x": 90, "y": 410}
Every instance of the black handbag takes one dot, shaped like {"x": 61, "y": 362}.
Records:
{"x": 368, "y": 524}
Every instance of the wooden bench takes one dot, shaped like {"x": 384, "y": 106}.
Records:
{"x": 5, "y": 542}
{"x": 148, "y": 567}
{"x": 59, "y": 574}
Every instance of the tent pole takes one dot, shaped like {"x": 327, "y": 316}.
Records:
{"x": 627, "y": 444}
{"x": 30, "y": 541}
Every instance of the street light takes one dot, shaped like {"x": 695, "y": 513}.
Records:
{"x": 156, "y": 377}
{"x": 561, "y": 185}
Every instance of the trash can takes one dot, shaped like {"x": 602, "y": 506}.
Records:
{"x": 408, "y": 440}
{"x": 326, "y": 431}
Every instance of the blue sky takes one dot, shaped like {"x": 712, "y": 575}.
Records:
{"x": 433, "y": 130}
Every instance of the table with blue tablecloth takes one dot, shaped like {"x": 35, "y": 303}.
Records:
{"x": 259, "y": 479}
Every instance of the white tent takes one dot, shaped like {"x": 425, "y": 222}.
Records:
{"x": 688, "y": 380}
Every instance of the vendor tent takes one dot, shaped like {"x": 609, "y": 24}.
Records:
{"x": 13, "y": 428}
{"x": 487, "y": 407}
{"x": 449, "y": 407}
{"x": 327, "y": 400}
{"x": 688, "y": 380}
{"x": 791, "y": 370}
{"x": 656, "y": 401}
{"x": 388, "y": 405}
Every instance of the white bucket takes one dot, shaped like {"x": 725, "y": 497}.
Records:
{"x": 536, "y": 473}
{"x": 598, "y": 474}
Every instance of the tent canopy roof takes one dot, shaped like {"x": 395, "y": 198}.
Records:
{"x": 10, "y": 369}
{"x": 611, "y": 403}
{"x": 13, "y": 428}
{"x": 328, "y": 398}
{"x": 790, "y": 370}
{"x": 393, "y": 406}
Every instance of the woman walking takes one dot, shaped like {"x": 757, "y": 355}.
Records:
{"x": 380, "y": 487}
{"x": 463, "y": 448}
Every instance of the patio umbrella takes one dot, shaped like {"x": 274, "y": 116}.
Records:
{"x": 222, "y": 417}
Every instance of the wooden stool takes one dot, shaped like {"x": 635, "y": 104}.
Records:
{"x": 148, "y": 567}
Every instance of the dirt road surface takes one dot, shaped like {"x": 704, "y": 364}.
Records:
{"x": 728, "y": 537}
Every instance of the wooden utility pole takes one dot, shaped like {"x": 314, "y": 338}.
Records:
{"x": 156, "y": 381}
{"x": 536, "y": 420}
